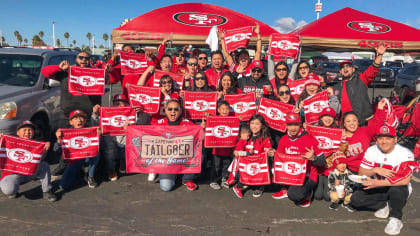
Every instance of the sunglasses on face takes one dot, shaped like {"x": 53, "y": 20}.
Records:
{"x": 346, "y": 66}
{"x": 202, "y": 58}
{"x": 256, "y": 70}
{"x": 82, "y": 57}
{"x": 281, "y": 93}
{"x": 199, "y": 78}
{"x": 281, "y": 69}
{"x": 192, "y": 64}
{"x": 167, "y": 82}
{"x": 173, "y": 108}
{"x": 180, "y": 55}
{"x": 303, "y": 68}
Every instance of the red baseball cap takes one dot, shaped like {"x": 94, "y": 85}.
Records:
{"x": 345, "y": 62}
{"x": 293, "y": 118}
{"x": 338, "y": 158}
{"x": 26, "y": 123}
{"x": 386, "y": 130}
{"x": 76, "y": 113}
{"x": 256, "y": 64}
{"x": 312, "y": 79}
{"x": 119, "y": 97}
{"x": 328, "y": 111}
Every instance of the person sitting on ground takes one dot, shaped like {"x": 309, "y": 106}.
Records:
{"x": 10, "y": 181}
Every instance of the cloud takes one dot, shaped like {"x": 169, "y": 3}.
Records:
{"x": 287, "y": 24}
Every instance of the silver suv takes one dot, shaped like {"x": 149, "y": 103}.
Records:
{"x": 407, "y": 82}
{"x": 25, "y": 94}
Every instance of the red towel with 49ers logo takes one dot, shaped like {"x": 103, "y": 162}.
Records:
{"x": 313, "y": 106}
{"x": 146, "y": 97}
{"x": 285, "y": 45}
{"x": 289, "y": 169}
{"x": 329, "y": 139}
{"x": 253, "y": 170}
{"x": 178, "y": 78}
{"x": 237, "y": 38}
{"x": 19, "y": 155}
{"x": 80, "y": 143}
{"x": 274, "y": 113}
{"x": 221, "y": 132}
{"x": 242, "y": 105}
{"x": 133, "y": 63}
{"x": 198, "y": 103}
{"x": 296, "y": 87}
{"x": 114, "y": 118}
{"x": 85, "y": 80}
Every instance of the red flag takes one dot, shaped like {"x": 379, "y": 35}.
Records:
{"x": 237, "y": 38}
{"x": 253, "y": 170}
{"x": 329, "y": 139}
{"x": 164, "y": 149}
{"x": 178, "y": 78}
{"x": 289, "y": 169}
{"x": 274, "y": 113}
{"x": 391, "y": 118}
{"x": 19, "y": 155}
{"x": 133, "y": 63}
{"x": 242, "y": 105}
{"x": 403, "y": 170}
{"x": 313, "y": 106}
{"x": 296, "y": 87}
{"x": 114, "y": 118}
{"x": 85, "y": 80}
{"x": 285, "y": 45}
{"x": 198, "y": 103}
{"x": 146, "y": 97}
{"x": 221, "y": 132}
{"x": 80, "y": 143}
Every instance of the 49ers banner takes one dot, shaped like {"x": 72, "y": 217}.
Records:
{"x": 242, "y": 105}
{"x": 114, "y": 118}
{"x": 85, "y": 80}
{"x": 221, "y": 132}
{"x": 313, "y": 106}
{"x": 198, "y": 103}
{"x": 80, "y": 143}
{"x": 328, "y": 139}
{"x": 178, "y": 79}
{"x": 274, "y": 113}
{"x": 289, "y": 169}
{"x": 20, "y": 155}
{"x": 253, "y": 170}
{"x": 133, "y": 63}
{"x": 237, "y": 38}
{"x": 285, "y": 45}
{"x": 296, "y": 87}
{"x": 146, "y": 97}
{"x": 164, "y": 149}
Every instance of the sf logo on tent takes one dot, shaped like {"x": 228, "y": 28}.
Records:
{"x": 369, "y": 27}
{"x": 199, "y": 19}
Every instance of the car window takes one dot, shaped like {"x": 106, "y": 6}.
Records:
{"x": 55, "y": 60}
{"x": 70, "y": 58}
{"x": 19, "y": 70}
{"x": 411, "y": 70}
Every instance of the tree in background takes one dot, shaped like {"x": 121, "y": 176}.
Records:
{"x": 41, "y": 34}
{"x": 101, "y": 46}
{"x": 25, "y": 41}
{"x": 16, "y": 33}
{"x": 37, "y": 41}
{"x": 67, "y": 36}
{"x": 105, "y": 37}
{"x": 74, "y": 42}
{"x": 89, "y": 36}
{"x": 3, "y": 40}
{"x": 19, "y": 39}
{"x": 71, "y": 45}
{"x": 58, "y": 43}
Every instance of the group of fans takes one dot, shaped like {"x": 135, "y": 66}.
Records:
{"x": 327, "y": 174}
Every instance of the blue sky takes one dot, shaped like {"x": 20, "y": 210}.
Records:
{"x": 78, "y": 17}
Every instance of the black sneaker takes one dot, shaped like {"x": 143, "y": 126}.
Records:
{"x": 92, "y": 183}
{"x": 349, "y": 207}
{"x": 258, "y": 192}
{"x": 50, "y": 196}
{"x": 334, "y": 206}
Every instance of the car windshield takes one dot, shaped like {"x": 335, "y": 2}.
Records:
{"x": 19, "y": 70}
{"x": 363, "y": 63}
{"x": 331, "y": 65}
{"x": 393, "y": 64}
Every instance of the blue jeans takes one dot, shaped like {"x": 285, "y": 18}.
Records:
{"x": 71, "y": 171}
{"x": 167, "y": 181}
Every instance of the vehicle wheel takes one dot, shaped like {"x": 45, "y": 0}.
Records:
{"x": 43, "y": 132}
{"x": 402, "y": 95}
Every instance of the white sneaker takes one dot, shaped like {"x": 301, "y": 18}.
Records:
{"x": 394, "y": 226}
{"x": 383, "y": 213}
{"x": 215, "y": 186}
{"x": 151, "y": 177}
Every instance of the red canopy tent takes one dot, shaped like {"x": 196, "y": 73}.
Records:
{"x": 349, "y": 28}
{"x": 189, "y": 23}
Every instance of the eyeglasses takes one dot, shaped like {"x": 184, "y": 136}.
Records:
{"x": 180, "y": 55}
{"x": 202, "y": 58}
{"x": 281, "y": 93}
{"x": 303, "y": 68}
{"x": 192, "y": 64}
{"x": 167, "y": 82}
{"x": 256, "y": 70}
{"x": 82, "y": 57}
{"x": 172, "y": 108}
{"x": 199, "y": 78}
{"x": 281, "y": 69}
{"x": 346, "y": 65}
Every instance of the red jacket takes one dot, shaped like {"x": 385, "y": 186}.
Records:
{"x": 213, "y": 76}
{"x": 273, "y": 83}
{"x": 259, "y": 145}
{"x": 164, "y": 121}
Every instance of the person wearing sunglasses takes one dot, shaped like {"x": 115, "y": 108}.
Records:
{"x": 173, "y": 112}
{"x": 192, "y": 65}
{"x": 281, "y": 75}
{"x": 179, "y": 62}
{"x": 203, "y": 62}
{"x": 200, "y": 83}
{"x": 284, "y": 95}
{"x": 256, "y": 82}
{"x": 146, "y": 79}
{"x": 303, "y": 70}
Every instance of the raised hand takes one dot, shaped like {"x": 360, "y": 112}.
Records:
{"x": 381, "y": 49}
{"x": 64, "y": 65}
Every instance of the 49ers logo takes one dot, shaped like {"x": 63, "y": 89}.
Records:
{"x": 87, "y": 81}
{"x": 134, "y": 64}
{"x": 20, "y": 155}
{"x": 275, "y": 114}
{"x": 253, "y": 169}
{"x": 324, "y": 142}
{"x": 369, "y": 27}
{"x": 293, "y": 168}
{"x": 222, "y": 131}
{"x": 284, "y": 45}
{"x": 199, "y": 19}
{"x": 238, "y": 37}
{"x": 143, "y": 98}
{"x": 317, "y": 106}
{"x": 200, "y": 105}
{"x": 79, "y": 142}
{"x": 118, "y": 121}
{"x": 240, "y": 107}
